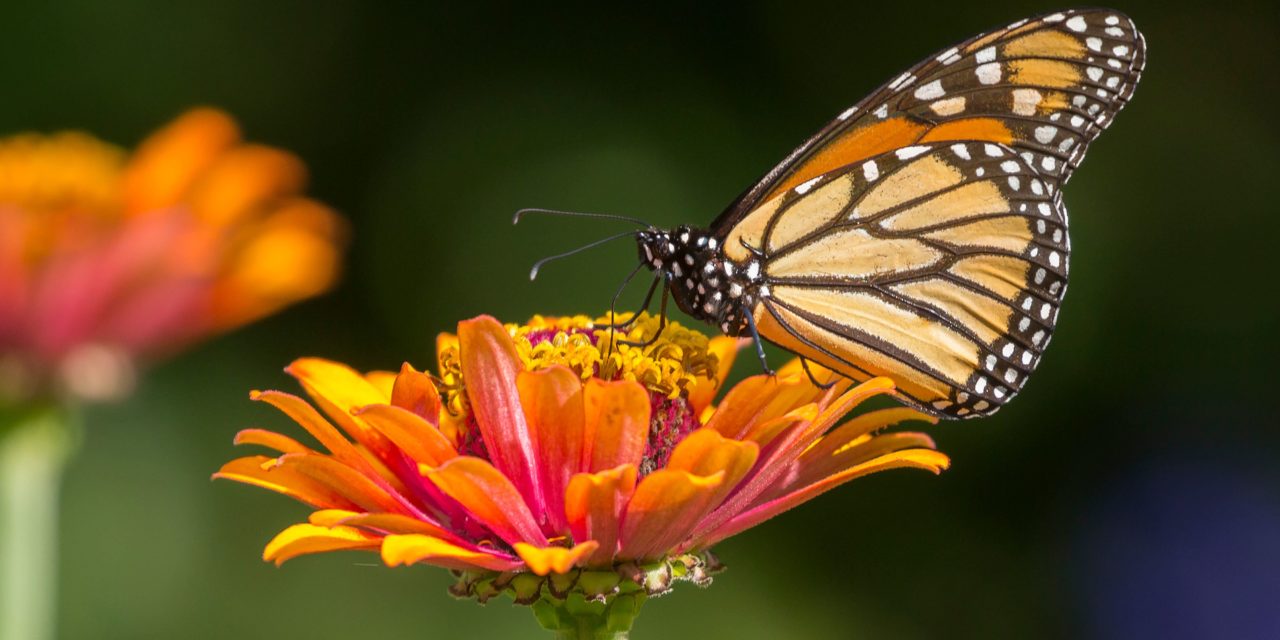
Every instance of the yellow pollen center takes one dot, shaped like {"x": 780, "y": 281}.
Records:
{"x": 668, "y": 367}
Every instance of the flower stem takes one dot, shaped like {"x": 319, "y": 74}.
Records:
{"x": 35, "y": 442}
{"x": 575, "y": 618}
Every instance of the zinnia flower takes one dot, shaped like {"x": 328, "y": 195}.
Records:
{"x": 107, "y": 257}
{"x": 559, "y": 464}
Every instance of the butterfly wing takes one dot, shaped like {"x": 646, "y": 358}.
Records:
{"x": 940, "y": 266}
{"x": 1045, "y": 86}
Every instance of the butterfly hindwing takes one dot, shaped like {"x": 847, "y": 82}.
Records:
{"x": 938, "y": 265}
{"x": 1046, "y": 87}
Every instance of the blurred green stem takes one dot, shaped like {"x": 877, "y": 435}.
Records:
{"x": 35, "y": 443}
{"x": 576, "y": 618}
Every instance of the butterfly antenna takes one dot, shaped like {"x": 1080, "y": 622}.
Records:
{"x": 533, "y": 273}
{"x": 578, "y": 214}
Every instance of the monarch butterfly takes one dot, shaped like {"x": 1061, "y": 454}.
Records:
{"x": 921, "y": 234}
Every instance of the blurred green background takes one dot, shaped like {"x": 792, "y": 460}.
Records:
{"x": 1131, "y": 491}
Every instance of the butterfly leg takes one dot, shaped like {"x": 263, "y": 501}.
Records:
{"x": 644, "y": 306}
{"x": 662, "y": 320}
{"x": 804, "y": 362}
{"x": 755, "y": 335}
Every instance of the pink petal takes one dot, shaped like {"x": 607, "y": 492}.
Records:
{"x": 490, "y": 365}
{"x": 552, "y": 401}
{"x": 926, "y": 459}
{"x": 489, "y": 497}
{"x": 594, "y": 503}
{"x": 664, "y": 510}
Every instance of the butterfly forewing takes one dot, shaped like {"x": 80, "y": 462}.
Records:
{"x": 940, "y": 266}
{"x": 1046, "y": 86}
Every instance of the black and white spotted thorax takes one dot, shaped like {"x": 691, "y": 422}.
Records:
{"x": 703, "y": 282}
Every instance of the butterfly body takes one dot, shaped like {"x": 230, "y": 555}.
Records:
{"x": 921, "y": 235}
{"x": 702, "y": 280}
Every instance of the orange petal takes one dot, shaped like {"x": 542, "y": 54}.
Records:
{"x": 845, "y": 402}
{"x": 867, "y": 423}
{"x": 705, "y": 452}
{"x": 593, "y": 505}
{"x": 926, "y": 459}
{"x": 168, "y": 162}
{"x": 352, "y": 484}
{"x": 338, "y": 389}
{"x": 330, "y": 517}
{"x": 552, "y": 401}
{"x": 383, "y": 381}
{"x": 381, "y": 523}
{"x": 271, "y": 440}
{"x": 812, "y": 469}
{"x": 390, "y": 523}
{"x": 666, "y": 507}
{"x": 787, "y": 445}
{"x": 242, "y": 180}
{"x": 490, "y": 365}
{"x": 546, "y": 560}
{"x": 725, "y": 349}
{"x": 294, "y": 253}
{"x": 302, "y": 539}
{"x": 416, "y": 437}
{"x": 261, "y": 471}
{"x": 489, "y": 496}
{"x": 412, "y": 548}
{"x": 414, "y": 391}
{"x": 308, "y": 418}
{"x": 758, "y": 399}
{"x": 617, "y": 427}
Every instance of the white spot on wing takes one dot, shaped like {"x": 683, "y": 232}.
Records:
{"x": 930, "y": 91}
{"x": 985, "y": 55}
{"x": 870, "y": 170}
{"x": 902, "y": 81}
{"x": 844, "y": 115}
{"x": 949, "y": 56}
{"x": 961, "y": 151}
{"x": 949, "y": 107}
{"x": 1077, "y": 24}
{"x": 907, "y": 153}
{"x": 1025, "y": 101}
{"x": 1045, "y": 134}
{"x": 804, "y": 187}
{"x": 988, "y": 73}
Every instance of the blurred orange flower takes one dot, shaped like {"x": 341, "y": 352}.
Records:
{"x": 107, "y": 256}
{"x": 552, "y": 449}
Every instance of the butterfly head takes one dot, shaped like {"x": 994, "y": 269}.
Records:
{"x": 703, "y": 282}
